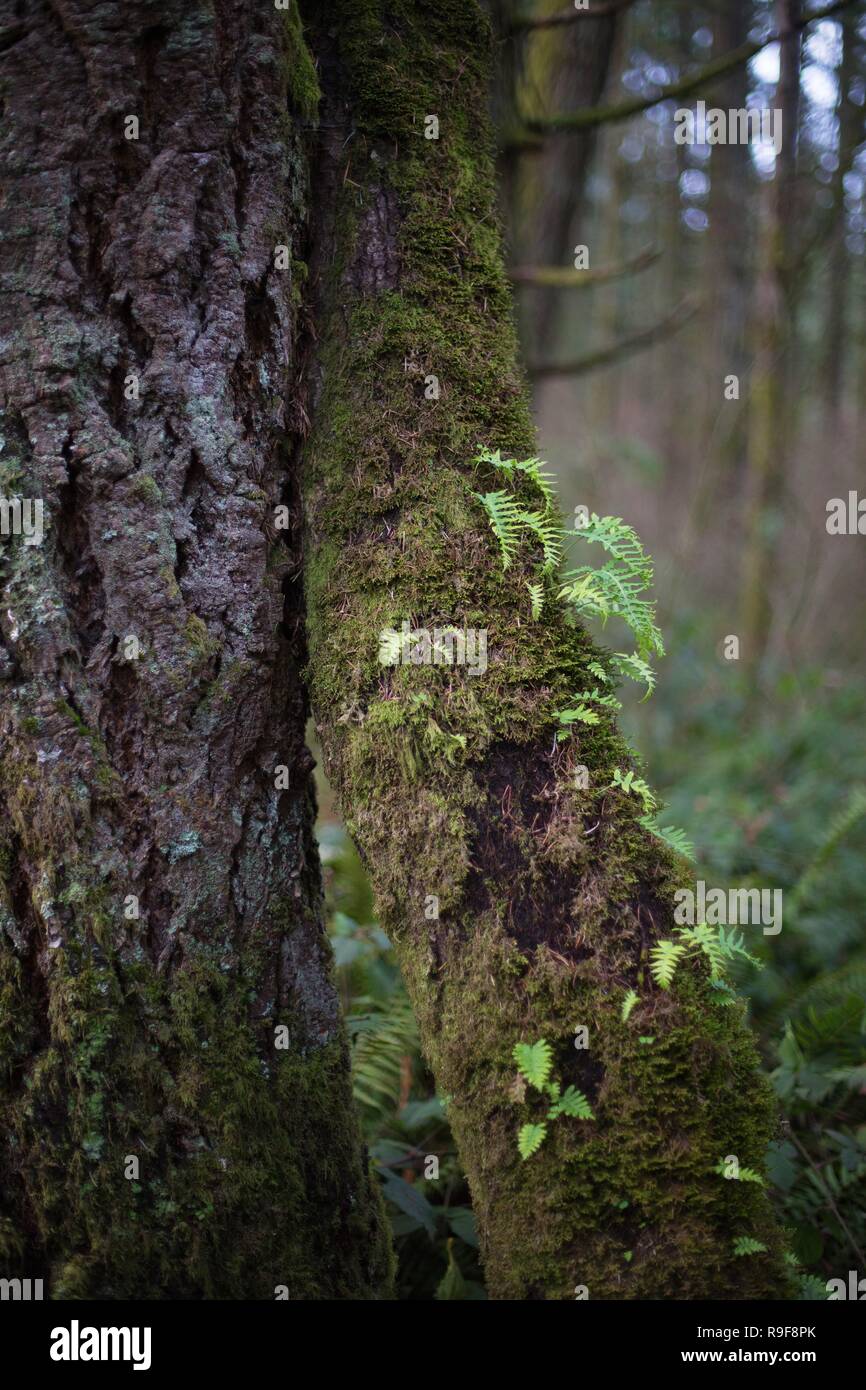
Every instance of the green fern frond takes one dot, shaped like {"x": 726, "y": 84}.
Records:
{"x": 743, "y": 1175}
{"x": 599, "y": 697}
{"x": 533, "y": 467}
{"x": 530, "y": 1139}
{"x": 581, "y": 714}
{"x": 732, "y": 944}
{"x": 504, "y": 515}
{"x": 839, "y": 826}
{"x": 534, "y": 1061}
{"x": 706, "y": 939}
{"x": 675, "y": 838}
{"x": 628, "y": 1004}
{"x": 596, "y": 669}
{"x": 536, "y": 594}
{"x": 636, "y": 786}
{"x": 381, "y": 1040}
{"x": 745, "y": 1245}
{"x": 571, "y": 1102}
{"x": 549, "y": 530}
{"x": 633, "y": 666}
{"x": 664, "y": 958}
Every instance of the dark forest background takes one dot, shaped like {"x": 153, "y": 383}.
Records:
{"x": 705, "y": 263}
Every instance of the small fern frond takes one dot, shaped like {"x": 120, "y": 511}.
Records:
{"x": 504, "y": 515}
{"x": 628, "y": 1004}
{"x": 599, "y": 697}
{"x": 549, "y": 530}
{"x": 743, "y": 1175}
{"x": 628, "y": 782}
{"x": 675, "y": 838}
{"x": 581, "y": 714}
{"x": 534, "y": 1061}
{"x": 706, "y": 939}
{"x": 530, "y": 1139}
{"x": 636, "y": 669}
{"x": 536, "y": 595}
{"x": 745, "y": 1245}
{"x": 732, "y": 945}
{"x": 571, "y": 1102}
{"x": 664, "y": 958}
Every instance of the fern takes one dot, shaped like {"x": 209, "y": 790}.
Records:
{"x": 534, "y": 1062}
{"x": 745, "y": 1245}
{"x": 536, "y": 594}
{"x": 664, "y": 958}
{"x": 530, "y": 1139}
{"x": 706, "y": 939}
{"x": 505, "y": 519}
{"x": 744, "y": 1174}
{"x": 633, "y": 666}
{"x": 571, "y": 1102}
{"x": 670, "y": 835}
{"x": 838, "y": 828}
{"x": 628, "y": 782}
{"x": 732, "y": 945}
{"x": 549, "y": 530}
{"x": 628, "y": 1004}
{"x": 615, "y": 588}
{"x": 581, "y": 714}
{"x": 596, "y": 669}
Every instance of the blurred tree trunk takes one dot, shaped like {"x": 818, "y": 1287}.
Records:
{"x": 729, "y": 239}
{"x": 561, "y": 70}
{"x": 522, "y": 893}
{"x": 850, "y": 132}
{"x": 160, "y": 901}
{"x": 771, "y": 403}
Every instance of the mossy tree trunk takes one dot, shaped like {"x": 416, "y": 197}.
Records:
{"x": 549, "y": 894}
{"x": 175, "y": 1112}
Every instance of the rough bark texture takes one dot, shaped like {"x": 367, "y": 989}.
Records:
{"x": 154, "y": 1037}
{"x": 550, "y": 896}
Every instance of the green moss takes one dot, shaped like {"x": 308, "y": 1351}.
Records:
{"x": 146, "y": 489}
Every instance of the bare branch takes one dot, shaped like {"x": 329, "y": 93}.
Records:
{"x": 636, "y": 342}
{"x": 522, "y": 24}
{"x": 592, "y": 116}
{"x": 563, "y": 277}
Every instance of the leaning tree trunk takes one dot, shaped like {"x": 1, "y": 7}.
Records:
{"x": 548, "y": 895}
{"x": 175, "y": 1110}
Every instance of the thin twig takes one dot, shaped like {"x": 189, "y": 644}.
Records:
{"x": 563, "y": 277}
{"x": 644, "y": 337}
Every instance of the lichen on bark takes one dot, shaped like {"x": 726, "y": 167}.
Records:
{"x": 160, "y": 900}
{"x": 550, "y": 895}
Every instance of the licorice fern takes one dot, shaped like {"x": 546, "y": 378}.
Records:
{"x": 534, "y": 1063}
{"x": 615, "y": 589}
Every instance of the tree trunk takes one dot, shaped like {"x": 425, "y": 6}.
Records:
{"x": 522, "y": 906}
{"x": 850, "y": 130}
{"x": 176, "y": 1109}
{"x": 771, "y": 397}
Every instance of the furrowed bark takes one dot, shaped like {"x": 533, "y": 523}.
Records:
{"x": 148, "y": 344}
{"x": 549, "y": 896}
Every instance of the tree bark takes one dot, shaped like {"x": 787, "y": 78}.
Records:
{"x": 549, "y": 896}
{"x": 160, "y": 904}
